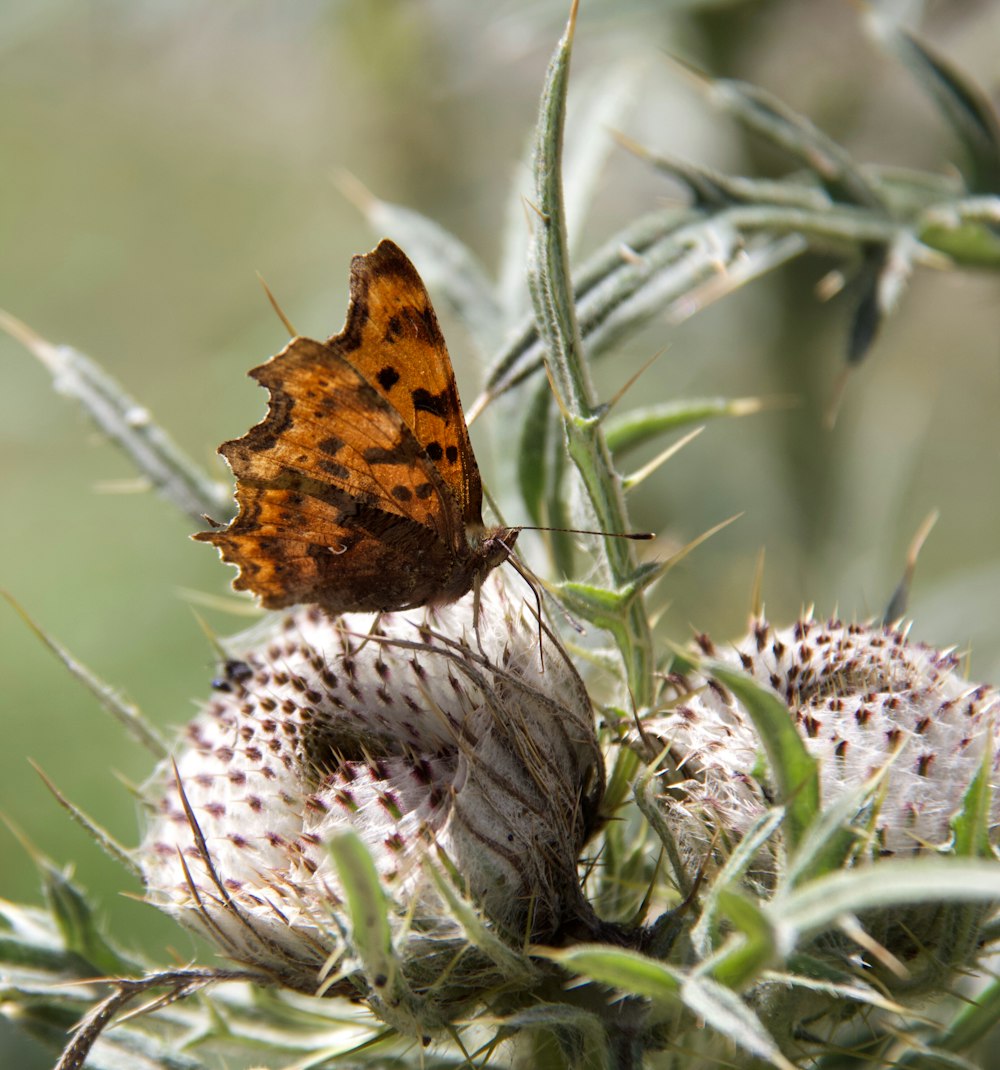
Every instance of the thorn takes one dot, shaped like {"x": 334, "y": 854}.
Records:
{"x": 851, "y": 927}
{"x": 757, "y": 590}
{"x": 732, "y": 272}
{"x": 658, "y": 615}
{"x": 478, "y": 406}
{"x": 832, "y": 283}
{"x": 355, "y": 191}
{"x": 564, "y": 412}
{"x": 832, "y": 410}
{"x": 138, "y": 485}
{"x": 126, "y": 713}
{"x": 629, "y": 482}
{"x": 103, "y": 839}
{"x": 234, "y": 605}
{"x": 213, "y": 640}
{"x": 534, "y": 207}
{"x": 665, "y": 566}
{"x": 896, "y": 608}
{"x": 44, "y": 350}
{"x": 629, "y": 144}
{"x": 630, "y": 256}
{"x": 629, "y": 383}
{"x": 695, "y": 75}
{"x": 293, "y": 333}
{"x": 571, "y": 22}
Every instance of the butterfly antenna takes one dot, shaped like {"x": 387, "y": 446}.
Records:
{"x": 637, "y": 536}
{"x": 279, "y": 311}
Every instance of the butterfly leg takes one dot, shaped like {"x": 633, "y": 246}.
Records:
{"x": 477, "y": 602}
{"x": 530, "y": 581}
{"x": 373, "y": 631}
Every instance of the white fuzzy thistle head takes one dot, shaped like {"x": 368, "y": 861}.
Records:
{"x": 427, "y": 740}
{"x": 894, "y": 728}
{"x": 865, "y": 699}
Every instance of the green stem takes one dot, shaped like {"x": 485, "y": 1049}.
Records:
{"x": 555, "y": 312}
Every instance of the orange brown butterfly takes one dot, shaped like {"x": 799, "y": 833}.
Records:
{"x": 359, "y": 489}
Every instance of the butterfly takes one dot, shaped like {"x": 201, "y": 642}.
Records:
{"x": 359, "y": 490}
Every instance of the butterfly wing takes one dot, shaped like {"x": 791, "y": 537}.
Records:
{"x": 347, "y": 558}
{"x": 337, "y": 498}
{"x": 392, "y": 338}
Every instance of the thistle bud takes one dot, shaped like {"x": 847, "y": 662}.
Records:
{"x": 434, "y": 735}
{"x": 863, "y": 697}
{"x": 867, "y": 702}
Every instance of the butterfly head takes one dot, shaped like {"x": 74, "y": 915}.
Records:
{"x": 493, "y": 546}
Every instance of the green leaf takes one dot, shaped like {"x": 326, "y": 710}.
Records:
{"x": 627, "y": 971}
{"x": 770, "y": 117}
{"x": 722, "y": 1010}
{"x": 868, "y": 313}
{"x": 582, "y": 1037}
{"x": 964, "y": 231}
{"x": 819, "y": 975}
{"x": 964, "y": 105}
{"x": 651, "y": 808}
{"x": 80, "y": 932}
{"x": 371, "y": 935}
{"x": 795, "y": 771}
{"x": 748, "y": 951}
{"x": 889, "y": 882}
{"x": 971, "y": 825}
{"x": 127, "y": 423}
{"x": 831, "y": 839}
{"x": 639, "y": 426}
{"x": 600, "y": 285}
{"x": 367, "y": 906}
{"x": 977, "y": 1019}
{"x": 518, "y": 968}
{"x": 549, "y": 275}
{"x": 703, "y": 935}
{"x": 557, "y": 508}
{"x": 533, "y": 455}
{"x": 715, "y": 189}
{"x": 598, "y": 605}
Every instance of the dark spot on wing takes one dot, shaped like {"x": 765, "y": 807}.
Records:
{"x": 401, "y": 493}
{"x": 452, "y": 453}
{"x": 401, "y": 453}
{"x": 430, "y": 323}
{"x": 387, "y": 377}
{"x": 334, "y": 469}
{"x": 425, "y": 401}
{"x": 331, "y": 445}
{"x": 423, "y": 490}
{"x": 434, "y": 451}
{"x": 393, "y": 330}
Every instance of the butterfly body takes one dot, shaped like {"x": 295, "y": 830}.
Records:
{"x": 359, "y": 490}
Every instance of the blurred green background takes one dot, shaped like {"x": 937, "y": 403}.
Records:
{"x": 157, "y": 153}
